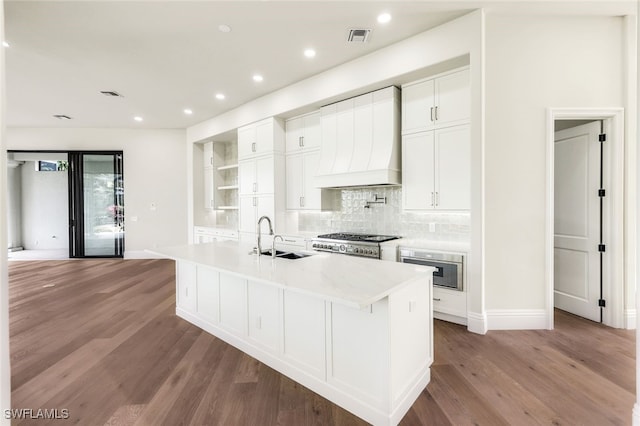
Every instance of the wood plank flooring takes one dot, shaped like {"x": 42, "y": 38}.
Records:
{"x": 100, "y": 338}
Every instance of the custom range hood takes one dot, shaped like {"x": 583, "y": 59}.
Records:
{"x": 361, "y": 141}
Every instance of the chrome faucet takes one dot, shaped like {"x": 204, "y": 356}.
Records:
{"x": 258, "y": 232}
{"x": 273, "y": 245}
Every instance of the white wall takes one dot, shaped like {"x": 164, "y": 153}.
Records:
{"x": 154, "y": 173}
{"x": 533, "y": 63}
{"x": 5, "y": 367}
{"x": 45, "y": 209}
{"x": 14, "y": 206}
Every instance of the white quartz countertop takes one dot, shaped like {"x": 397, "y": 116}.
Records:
{"x": 349, "y": 280}
{"x": 420, "y": 243}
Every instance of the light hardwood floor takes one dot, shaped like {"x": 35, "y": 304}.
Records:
{"x": 100, "y": 338}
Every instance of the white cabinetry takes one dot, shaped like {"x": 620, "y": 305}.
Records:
{"x": 233, "y": 303}
{"x": 303, "y": 132}
{"x": 436, "y": 102}
{"x": 436, "y": 145}
{"x": 260, "y": 172}
{"x": 374, "y": 361}
{"x": 436, "y": 169}
{"x": 186, "y": 286}
{"x": 264, "y": 310}
{"x": 263, "y": 137}
{"x": 304, "y": 332}
{"x": 203, "y": 234}
{"x": 302, "y": 159}
{"x": 450, "y": 305}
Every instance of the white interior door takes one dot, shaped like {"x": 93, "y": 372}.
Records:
{"x": 577, "y": 221}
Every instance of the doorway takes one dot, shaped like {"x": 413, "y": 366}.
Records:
{"x": 75, "y": 209}
{"x": 585, "y": 215}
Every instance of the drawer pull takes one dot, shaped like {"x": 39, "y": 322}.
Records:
{"x": 435, "y": 299}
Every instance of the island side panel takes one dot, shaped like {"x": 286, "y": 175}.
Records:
{"x": 411, "y": 343}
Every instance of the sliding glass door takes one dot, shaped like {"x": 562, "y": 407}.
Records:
{"x": 96, "y": 204}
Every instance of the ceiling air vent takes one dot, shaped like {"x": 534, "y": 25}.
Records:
{"x": 62, "y": 117}
{"x": 111, "y": 93}
{"x": 358, "y": 36}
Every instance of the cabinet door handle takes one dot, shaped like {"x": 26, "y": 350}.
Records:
{"x": 301, "y": 141}
{"x": 301, "y": 201}
{"x": 432, "y": 199}
{"x": 431, "y": 112}
{"x": 253, "y": 147}
{"x": 255, "y": 201}
{"x": 186, "y": 292}
{"x": 436, "y": 299}
{"x": 211, "y": 160}
{"x": 436, "y": 113}
{"x": 255, "y": 186}
{"x": 437, "y": 199}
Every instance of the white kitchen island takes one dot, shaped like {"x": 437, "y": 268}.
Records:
{"x": 357, "y": 331}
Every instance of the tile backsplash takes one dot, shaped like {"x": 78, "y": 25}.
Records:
{"x": 386, "y": 219}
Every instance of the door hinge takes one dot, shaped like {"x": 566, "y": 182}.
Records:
{"x": 601, "y": 248}
{"x": 601, "y": 193}
{"x": 602, "y": 303}
{"x": 602, "y": 137}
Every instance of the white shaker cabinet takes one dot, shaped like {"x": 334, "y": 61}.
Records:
{"x": 259, "y": 138}
{"x": 264, "y": 308}
{"x": 436, "y": 102}
{"x": 303, "y": 132}
{"x": 186, "y": 286}
{"x": 436, "y": 169}
{"x": 254, "y": 207}
{"x": 255, "y": 176}
{"x": 302, "y": 194}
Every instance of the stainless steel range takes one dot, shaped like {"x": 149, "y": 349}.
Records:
{"x": 365, "y": 245}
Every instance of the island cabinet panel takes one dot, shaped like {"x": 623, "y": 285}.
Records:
{"x": 411, "y": 351}
{"x": 264, "y": 305}
{"x": 186, "y": 286}
{"x": 208, "y": 294}
{"x": 304, "y": 332}
{"x": 233, "y": 303}
{"x": 371, "y": 357}
{"x": 359, "y": 344}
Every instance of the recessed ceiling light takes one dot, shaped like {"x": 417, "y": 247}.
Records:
{"x": 6, "y": 44}
{"x": 257, "y": 78}
{"x": 383, "y": 18}
{"x": 309, "y": 53}
{"x": 188, "y": 111}
{"x": 224, "y": 28}
{"x": 137, "y": 118}
{"x": 220, "y": 96}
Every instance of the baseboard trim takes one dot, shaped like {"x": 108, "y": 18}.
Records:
{"x": 517, "y": 319}
{"x": 630, "y": 319}
{"x": 476, "y": 322}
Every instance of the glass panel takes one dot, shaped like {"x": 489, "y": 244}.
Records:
{"x": 103, "y": 205}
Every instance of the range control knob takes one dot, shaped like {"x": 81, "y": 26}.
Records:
{"x": 343, "y": 248}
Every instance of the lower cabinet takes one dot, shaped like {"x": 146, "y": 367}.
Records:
{"x": 264, "y": 305}
{"x": 450, "y": 305}
{"x": 304, "y": 332}
{"x": 373, "y": 361}
{"x": 186, "y": 285}
{"x": 233, "y": 303}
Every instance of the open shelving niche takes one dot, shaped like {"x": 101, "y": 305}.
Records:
{"x": 225, "y": 183}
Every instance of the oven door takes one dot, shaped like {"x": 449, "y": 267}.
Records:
{"x": 448, "y": 273}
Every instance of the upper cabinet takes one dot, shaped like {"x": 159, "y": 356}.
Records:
{"x": 436, "y": 102}
{"x": 259, "y": 138}
{"x": 303, "y": 132}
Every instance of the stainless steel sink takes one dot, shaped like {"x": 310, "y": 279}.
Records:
{"x": 286, "y": 254}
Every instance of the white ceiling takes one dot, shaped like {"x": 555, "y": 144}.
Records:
{"x": 164, "y": 57}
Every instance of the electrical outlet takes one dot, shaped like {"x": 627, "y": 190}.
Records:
{"x": 152, "y": 206}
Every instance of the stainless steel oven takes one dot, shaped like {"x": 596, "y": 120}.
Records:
{"x": 449, "y": 266}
